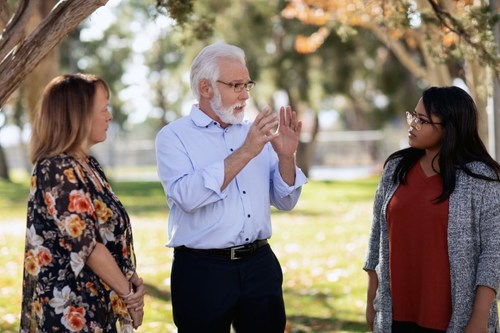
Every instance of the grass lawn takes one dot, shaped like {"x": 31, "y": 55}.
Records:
{"x": 321, "y": 245}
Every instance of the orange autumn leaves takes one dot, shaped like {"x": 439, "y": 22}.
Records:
{"x": 392, "y": 16}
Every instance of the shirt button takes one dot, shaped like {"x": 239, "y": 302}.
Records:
{"x": 248, "y": 215}
{"x": 244, "y": 192}
{"x": 231, "y": 149}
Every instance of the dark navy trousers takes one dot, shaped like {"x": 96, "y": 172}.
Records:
{"x": 210, "y": 293}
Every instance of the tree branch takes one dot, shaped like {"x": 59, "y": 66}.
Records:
{"x": 3, "y": 13}
{"x": 398, "y": 49}
{"x": 15, "y": 30}
{"x": 454, "y": 25}
{"x": 24, "y": 57}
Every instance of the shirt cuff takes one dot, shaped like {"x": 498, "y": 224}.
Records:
{"x": 213, "y": 178}
{"x": 283, "y": 188}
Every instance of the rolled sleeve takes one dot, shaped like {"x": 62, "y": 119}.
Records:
{"x": 282, "y": 188}
{"x": 284, "y": 196}
{"x": 213, "y": 178}
{"x": 373, "y": 253}
{"x": 488, "y": 270}
{"x": 180, "y": 172}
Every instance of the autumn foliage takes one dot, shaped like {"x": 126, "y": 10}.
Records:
{"x": 448, "y": 29}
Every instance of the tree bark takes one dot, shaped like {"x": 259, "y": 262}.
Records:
{"x": 15, "y": 27}
{"x": 306, "y": 149}
{"x": 26, "y": 55}
{"x": 47, "y": 69}
{"x": 476, "y": 78}
{"x": 4, "y": 168}
{"x": 495, "y": 142}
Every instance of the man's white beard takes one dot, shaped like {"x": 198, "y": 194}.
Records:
{"x": 226, "y": 115}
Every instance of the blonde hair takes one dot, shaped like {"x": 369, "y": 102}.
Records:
{"x": 63, "y": 121}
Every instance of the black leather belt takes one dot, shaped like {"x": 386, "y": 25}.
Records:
{"x": 231, "y": 253}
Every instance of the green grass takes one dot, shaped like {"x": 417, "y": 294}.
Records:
{"x": 321, "y": 245}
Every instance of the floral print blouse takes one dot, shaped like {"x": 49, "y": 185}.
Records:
{"x": 71, "y": 206}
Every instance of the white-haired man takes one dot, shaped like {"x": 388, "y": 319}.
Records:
{"x": 221, "y": 175}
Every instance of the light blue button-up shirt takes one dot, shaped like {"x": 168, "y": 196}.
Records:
{"x": 190, "y": 154}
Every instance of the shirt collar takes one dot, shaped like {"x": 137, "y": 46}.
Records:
{"x": 201, "y": 119}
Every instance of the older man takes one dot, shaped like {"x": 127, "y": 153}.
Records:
{"x": 221, "y": 175}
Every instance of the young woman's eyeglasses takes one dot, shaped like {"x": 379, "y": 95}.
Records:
{"x": 412, "y": 118}
{"x": 238, "y": 87}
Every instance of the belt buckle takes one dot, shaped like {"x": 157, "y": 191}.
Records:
{"x": 233, "y": 252}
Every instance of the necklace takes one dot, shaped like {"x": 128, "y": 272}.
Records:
{"x": 92, "y": 174}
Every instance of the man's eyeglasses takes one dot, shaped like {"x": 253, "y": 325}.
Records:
{"x": 238, "y": 87}
{"x": 412, "y": 118}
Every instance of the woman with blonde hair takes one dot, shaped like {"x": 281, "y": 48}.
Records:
{"x": 79, "y": 264}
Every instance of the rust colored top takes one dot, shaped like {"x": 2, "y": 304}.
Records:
{"x": 418, "y": 252}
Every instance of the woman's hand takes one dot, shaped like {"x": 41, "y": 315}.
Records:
{"x": 135, "y": 300}
{"x": 370, "y": 297}
{"x": 370, "y": 315}
{"x": 136, "y": 316}
{"x": 475, "y": 327}
{"x": 478, "y": 323}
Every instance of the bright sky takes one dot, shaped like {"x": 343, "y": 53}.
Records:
{"x": 136, "y": 96}
{"x": 136, "y": 75}
{"x": 101, "y": 19}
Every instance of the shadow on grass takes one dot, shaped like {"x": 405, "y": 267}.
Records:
{"x": 8, "y": 327}
{"x": 155, "y": 292}
{"x": 297, "y": 323}
{"x": 13, "y": 193}
{"x": 146, "y": 198}
{"x": 142, "y": 198}
{"x": 303, "y": 324}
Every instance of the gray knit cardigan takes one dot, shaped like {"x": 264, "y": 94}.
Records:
{"x": 473, "y": 246}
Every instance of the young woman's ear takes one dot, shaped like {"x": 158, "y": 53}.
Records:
{"x": 206, "y": 89}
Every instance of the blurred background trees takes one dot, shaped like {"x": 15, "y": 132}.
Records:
{"x": 31, "y": 31}
{"x": 437, "y": 42}
{"x": 343, "y": 65}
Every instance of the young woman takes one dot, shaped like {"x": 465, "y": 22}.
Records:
{"x": 434, "y": 252}
{"x": 79, "y": 263}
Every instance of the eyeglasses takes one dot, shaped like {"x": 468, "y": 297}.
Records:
{"x": 412, "y": 118}
{"x": 238, "y": 87}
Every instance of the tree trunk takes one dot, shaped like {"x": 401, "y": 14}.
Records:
{"x": 495, "y": 135}
{"x": 4, "y": 168}
{"x": 476, "y": 77}
{"x": 306, "y": 149}
{"x": 23, "y": 58}
{"x": 47, "y": 69}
